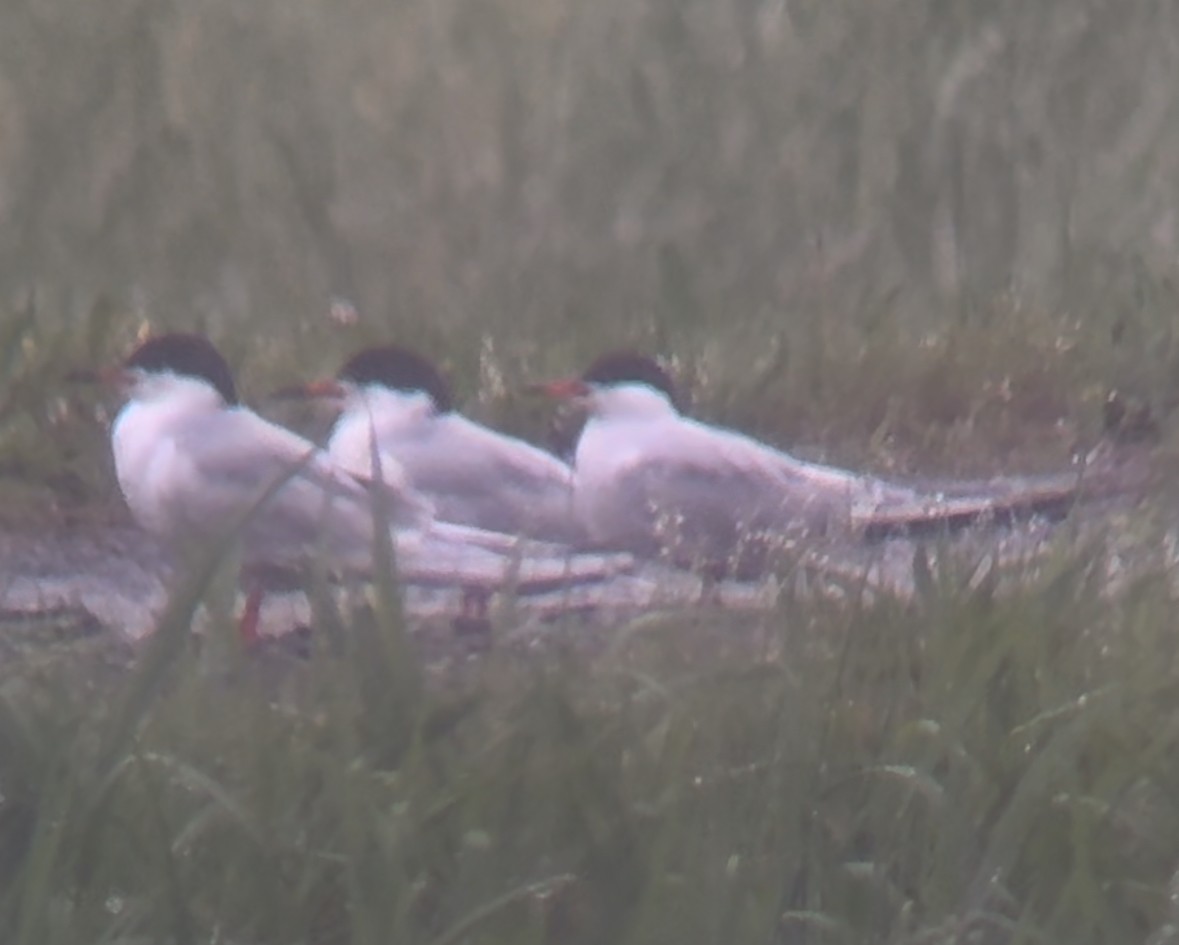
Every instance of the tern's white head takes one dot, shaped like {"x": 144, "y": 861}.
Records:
{"x": 620, "y": 385}
{"x": 390, "y": 378}
{"x": 172, "y": 384}
{"x": 390, "y": 381}
{"x": 178, "y": 368}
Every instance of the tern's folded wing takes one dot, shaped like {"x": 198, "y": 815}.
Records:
{"x": 704, "y": 483}
{"x": 478, "y": 476}
{"x": 233, "y": 463}
{"x": 305, "y": 507}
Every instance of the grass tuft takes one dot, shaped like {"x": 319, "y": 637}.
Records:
{"x": 884, "y": 773}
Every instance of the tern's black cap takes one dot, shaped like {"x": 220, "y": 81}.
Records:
{"x": 398, "y": 369}
{"x": 188, "y": 355}
{"x": 630, "y": 367}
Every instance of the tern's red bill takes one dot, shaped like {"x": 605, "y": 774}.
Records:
{"x": 565, "y": 389}
{"x": 329, "y": 387}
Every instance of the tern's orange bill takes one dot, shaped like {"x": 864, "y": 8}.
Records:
{"x": 328, "y": 387}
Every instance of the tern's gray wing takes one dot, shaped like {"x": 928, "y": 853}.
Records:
{"x": 720, "y": 508}
{"x": 477, "y": 476}
{"x": 865, "y": 495}
{"x": 310, "y": 509}
{"x": 223, "y": 465}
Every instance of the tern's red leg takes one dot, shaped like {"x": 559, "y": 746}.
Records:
{"x": 473, "y": 612}
{"x": 248, "y": 625}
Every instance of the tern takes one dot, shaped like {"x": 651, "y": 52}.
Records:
{"x": 191, "y": 461}
{"x": 472, "y": 474}
{"x": 655, "y": 482}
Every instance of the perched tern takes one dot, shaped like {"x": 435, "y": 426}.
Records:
{"x": 652, "y": 481}
{"x": 473, "y": 475}
{"x": 655, "y": 482}
{"x": 191, "y": 460}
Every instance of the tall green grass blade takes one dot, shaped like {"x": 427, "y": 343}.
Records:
{"x": 530, "y": 891}
{"x": 36, "y": 891}
{"x": 179, "y": 919}
{"x": 387, "y": 667}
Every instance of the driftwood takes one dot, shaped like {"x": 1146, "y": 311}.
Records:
{"x": 1004, "y": 500}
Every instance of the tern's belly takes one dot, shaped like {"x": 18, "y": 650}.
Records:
{"x": 137, "y": 452}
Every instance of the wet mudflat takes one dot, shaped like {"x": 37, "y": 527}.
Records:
{"x": 102, "y": 575}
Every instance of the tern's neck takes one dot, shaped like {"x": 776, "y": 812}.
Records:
{"x": 157, "y": 403}
{"x": 388, "y": 409}
{"x": 174, "y": 393}
{"x": 631, "y": 402}
{"x": 158, "y": 407}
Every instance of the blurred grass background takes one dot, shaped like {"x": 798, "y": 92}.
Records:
{"x": 905, "y": 234}
{"x": 913, "y": 235}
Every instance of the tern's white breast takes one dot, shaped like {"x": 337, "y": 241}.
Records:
{"x": 146, "y": 460}
{"x": 602, "y": 502}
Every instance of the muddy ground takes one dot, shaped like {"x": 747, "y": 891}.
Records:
{"x": 98, "y": 573}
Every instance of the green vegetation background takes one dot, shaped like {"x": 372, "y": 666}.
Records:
{"x": 913, "y": 232}
{"x": 909, "y": 234}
